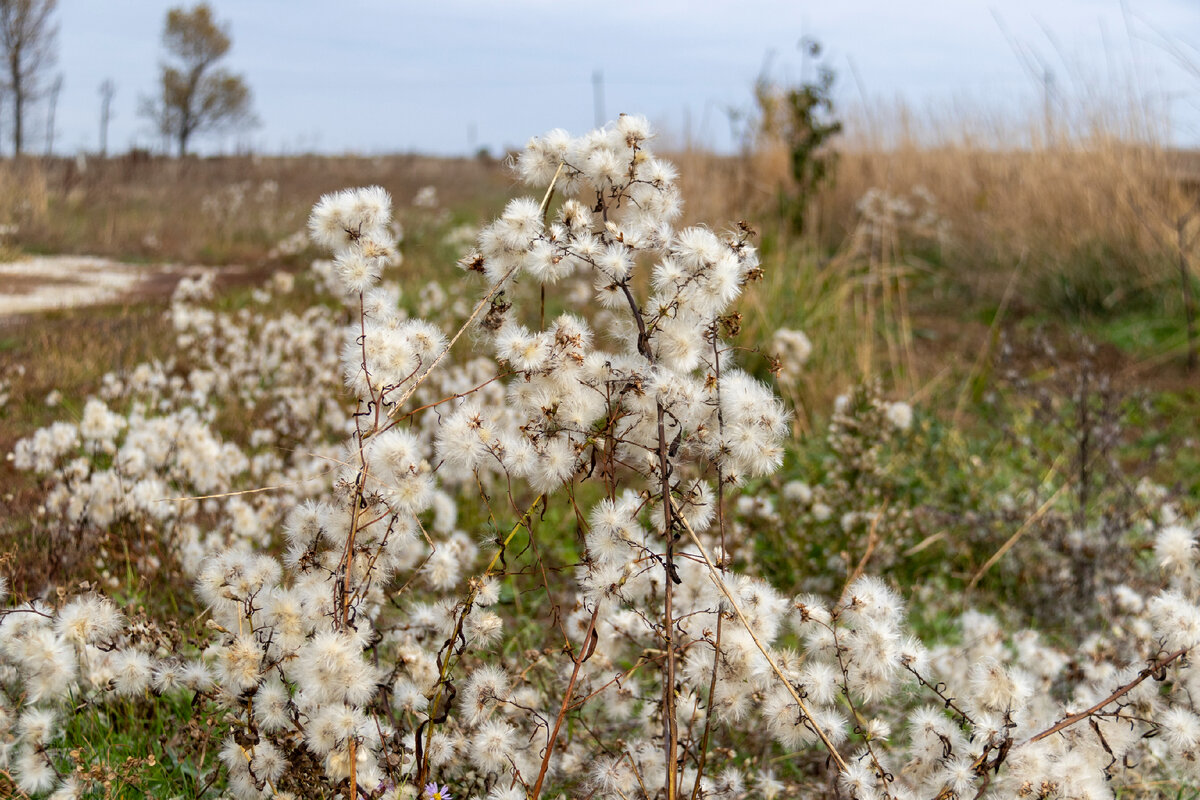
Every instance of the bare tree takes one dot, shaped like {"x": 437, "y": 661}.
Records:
{"x": 28, "y": 42}
{"x": 108, "y": 90}
{"x": 195, "y": 95}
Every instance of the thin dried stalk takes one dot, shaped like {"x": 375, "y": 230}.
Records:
{"x": 716, "y": 579}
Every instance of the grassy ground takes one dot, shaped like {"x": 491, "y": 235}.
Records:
{"x": 1059, "y": 243}
{"x": 1012, "y": 324}
{"x": 215, "y": 211}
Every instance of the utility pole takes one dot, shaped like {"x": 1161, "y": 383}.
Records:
{"x": 55, "y": 88}
{"x": 1048, "y": 103}
{"x": 598, "y": 97}
{"x": 107, "y": 90}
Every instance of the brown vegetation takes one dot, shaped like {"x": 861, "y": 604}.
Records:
{"x": 216, "y": 210}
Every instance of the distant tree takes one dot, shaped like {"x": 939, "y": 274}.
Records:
{"x": 28, "y": 43}
{"x": 195, "y": 95}
{"x": 802, "y": 118}
{"x": 809, "y": 124}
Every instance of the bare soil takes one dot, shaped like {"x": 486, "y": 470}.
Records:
{"x": 46, "y": 283}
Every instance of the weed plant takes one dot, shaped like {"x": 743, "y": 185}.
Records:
{"x": 517, "y": 550}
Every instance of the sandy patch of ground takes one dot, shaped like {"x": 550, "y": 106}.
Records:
{"x": 45, "y": 283}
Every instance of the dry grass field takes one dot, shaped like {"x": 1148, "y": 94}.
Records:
{"x": 1026, "y": 306}
{"x": 961, "y": 241}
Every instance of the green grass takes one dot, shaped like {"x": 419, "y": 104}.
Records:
{"x": 149, "y": 747}
{"x": 1144, "y": 334}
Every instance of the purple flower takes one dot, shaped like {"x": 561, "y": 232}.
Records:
{"x": 432, "y": 792}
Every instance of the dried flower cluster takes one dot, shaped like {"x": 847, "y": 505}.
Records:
{"x": 370, "y": 631}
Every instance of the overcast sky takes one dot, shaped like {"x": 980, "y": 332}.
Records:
{"x": 446, "y": 76}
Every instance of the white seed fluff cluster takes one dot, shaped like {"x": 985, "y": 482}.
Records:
{"x": 793, "y": 349}
{"x": 388, "y": 614}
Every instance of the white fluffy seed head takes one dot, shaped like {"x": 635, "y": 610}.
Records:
{"x": 1175, "y": 549}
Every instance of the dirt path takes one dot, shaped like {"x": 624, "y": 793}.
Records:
{"x": 44, "y": 283}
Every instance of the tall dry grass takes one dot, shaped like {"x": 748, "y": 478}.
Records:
{"x": 1080, "y": 209}
{"x": 1097, "y": 206}
{"x": 212, "y": 210}
{"x": 1082, "y": 222}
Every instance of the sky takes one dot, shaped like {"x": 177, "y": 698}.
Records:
{"x": 449, "y": 77}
